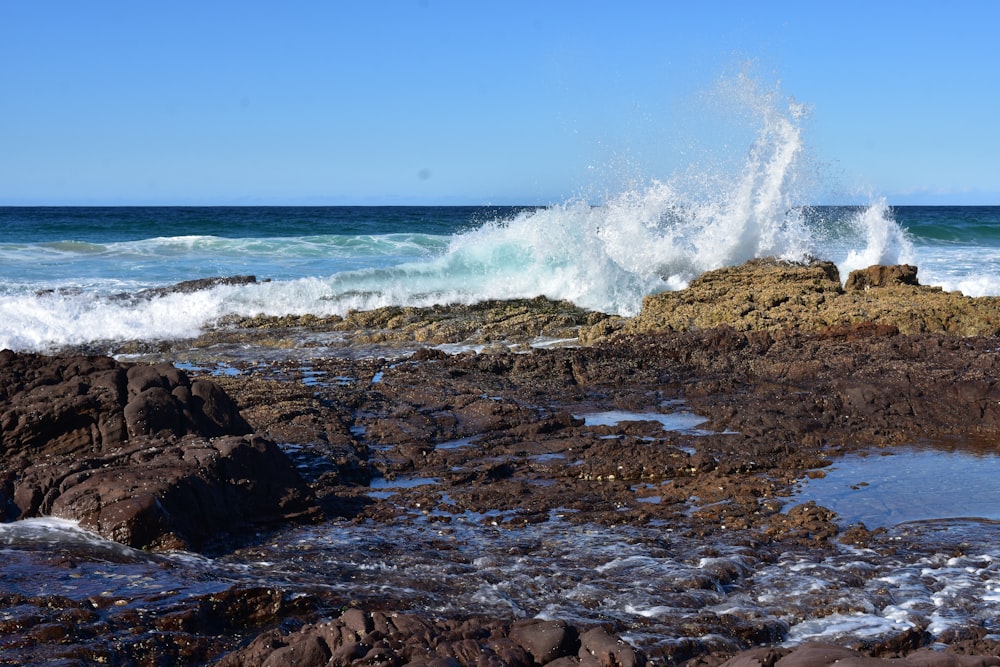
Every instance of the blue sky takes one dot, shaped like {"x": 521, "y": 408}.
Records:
{"x": 466, "y": 101}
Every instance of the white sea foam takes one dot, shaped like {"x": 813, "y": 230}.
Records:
{"x": 838, "y": 626}
{"x": 885, "y": 240}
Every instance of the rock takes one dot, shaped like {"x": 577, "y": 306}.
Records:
{"x": 518, "y": 321}
{"x": 397, "y": 639}
{"x": 545, "y": 640}
{"x": 761, "y": 294}
{"x": 600, "y": 647}
{"x": 821, "y": 655}
{"x": 198, "y": 284}
{"x": 92, "y": 404}
{"x": 772, "y": 295}
{"x": 881, "y": 276}
{"x": 140, "y": 454}
{"x": 173, "y": 495}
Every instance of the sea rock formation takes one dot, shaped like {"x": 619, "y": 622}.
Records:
{"x": 141, "y": 454}
{"x": 360, "y": 638}
{"x": 821, "y": 655}
{"x": 772, "y": 295}
{"x": 790, "y": 367}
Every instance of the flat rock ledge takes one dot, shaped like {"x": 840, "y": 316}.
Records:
{"x": 140, "y": 454}
{"x": 359, "y": 638}
{"x": 822, "y": 655}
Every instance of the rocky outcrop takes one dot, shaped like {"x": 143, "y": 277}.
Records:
{"x": 359, "y": 638}
{"x": 141, "y": 454}
{"x": 79, "y": 405}
{"x": 881, "y": 276}
{"x": 773, "y": 295}
{"x": 514, "y": 322}
{"x": 821, "y": 655}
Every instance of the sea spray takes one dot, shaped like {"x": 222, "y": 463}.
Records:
{"x": 885, "y": 240}
{"x": 655, "y": 237}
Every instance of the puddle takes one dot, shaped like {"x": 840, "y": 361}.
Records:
{"x": 381, "y": 488}
{"x": 214, "y": 370}
{"x": 674, "y": 421}
{"x": 461, "y": 443}
{"x": 902, "y": 485}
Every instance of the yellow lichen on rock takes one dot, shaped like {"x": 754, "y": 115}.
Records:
{"x": 774, "y": 295}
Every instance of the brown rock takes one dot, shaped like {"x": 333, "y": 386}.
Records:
{"x": 169, "y": 495}
{"x": 771, "y": 295}
{"x": 92, "y": 404}
{"x": 358, "y": 621}
{"x": 821, "y": 655}
{"x": 600, "y": 647}
{"x": 411, "y": 639}
{"x": 545, "y": 640}
{"x": 308, "y": 651}
{"x": 881, "y": 276}
{"x": 137, "y": 453}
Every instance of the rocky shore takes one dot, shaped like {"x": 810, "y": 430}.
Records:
{"x": 789, "y": 367}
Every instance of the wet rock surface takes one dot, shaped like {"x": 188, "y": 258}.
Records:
{"x": 788, "y": 372}
{"x": 405, "y": 639}
{"x": 506, "y": 436}
{"x": 818, "y": 655}
{"x": 508, "y": 431}
{"x": 140, "y": 454}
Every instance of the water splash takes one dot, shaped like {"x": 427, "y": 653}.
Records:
{"x": 659, "y": 236}
{"x": 885, "y": 241}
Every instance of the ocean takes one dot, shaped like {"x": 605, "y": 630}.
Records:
{"x": 77, "y": 275}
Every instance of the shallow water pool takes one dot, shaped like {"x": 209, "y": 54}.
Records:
{"x": 891, "y": 487}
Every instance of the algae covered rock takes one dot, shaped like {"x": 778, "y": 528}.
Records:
{"x": 769, "y": 295}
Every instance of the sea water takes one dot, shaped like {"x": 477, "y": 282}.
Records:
{"x": 890, "y": 487}
{"x": 72, "y": 276}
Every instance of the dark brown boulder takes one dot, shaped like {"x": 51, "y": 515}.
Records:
{"x": 546, "y": 640}
{"x": 881, "y": 276}
{"x": 396, "y": 639}
{"x": 140, "y": 454}
{"x": 600, "y": 647}
{"x": 92, "y": 404}
{"x": 821, "y": 655}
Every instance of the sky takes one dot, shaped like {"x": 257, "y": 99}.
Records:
{"x": 482, "y": 102}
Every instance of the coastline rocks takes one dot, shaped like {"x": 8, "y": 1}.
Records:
{"x": 163, "y": 495}
{"x": 881, "y": 276}
{"x": 821, "y": 655}
{"x": 360, "y": 638}
{"x": 153, "y": 458}
{"x": 78, "y": 405}
{"x": 508, "y": 322}
{"x": 771, "y": 295}
{"x": 140, "y": 454}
